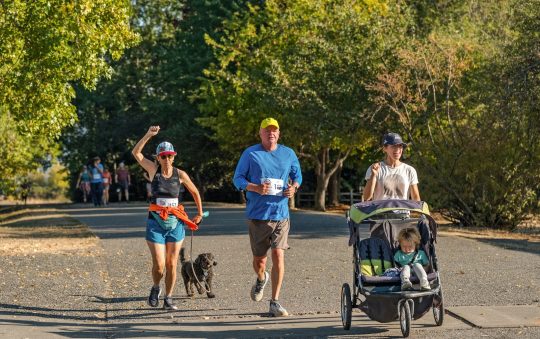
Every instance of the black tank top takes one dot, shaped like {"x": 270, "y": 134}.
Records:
{"x": 165, "y": 187}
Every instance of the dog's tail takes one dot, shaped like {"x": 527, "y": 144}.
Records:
{"x": 182, "y": 255}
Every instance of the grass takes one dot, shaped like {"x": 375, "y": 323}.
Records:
{"x": 34, "y": 229}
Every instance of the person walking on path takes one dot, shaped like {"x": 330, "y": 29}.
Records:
{"x": 83, "y": 183}
{"x": 123, "y": 180}
{"x": 148, "y": 186}
{"x": 106, "y": 185}
{"x": 166, "y": 217}
{"x": 391, "y": 178}
{"x": 96, "y": 181}
{"x": 263, "y": 171}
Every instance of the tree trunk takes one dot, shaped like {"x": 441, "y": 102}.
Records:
{"x": 292, "y": 201}
{"x": 320, "y": 192}
{"x": 242, "y": 197}
{"x": 324, "y": 169}
{"x": 334, "y": 187}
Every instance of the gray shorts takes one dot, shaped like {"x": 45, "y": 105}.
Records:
{"x": 265, "y": 234}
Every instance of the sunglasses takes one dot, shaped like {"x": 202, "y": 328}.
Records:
{"x": 168, "y": 156}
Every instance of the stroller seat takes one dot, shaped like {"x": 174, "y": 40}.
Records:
{"x": 383, "y": 280}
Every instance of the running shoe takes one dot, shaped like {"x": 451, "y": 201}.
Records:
{"x": 258, "y": 288}
{"x": 276, "y": 310}
{"x": 168, "y": 304}
{"x": 153, "y": 299}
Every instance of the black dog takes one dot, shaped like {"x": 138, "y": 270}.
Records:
{"x": 201, "y": 270}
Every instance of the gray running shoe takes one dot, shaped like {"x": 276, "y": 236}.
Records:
{"x": 258, "y": 288}
{"x": 168, "y": 304}
{"x": 153, "y": 299}
{"x": 276, "y": 310}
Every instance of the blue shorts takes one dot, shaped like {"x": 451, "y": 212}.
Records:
{"x": 158, "y": 235}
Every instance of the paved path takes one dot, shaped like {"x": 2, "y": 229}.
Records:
{"x": 102, "y": 293}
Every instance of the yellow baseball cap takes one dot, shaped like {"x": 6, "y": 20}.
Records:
{"x": 269, "y": 122}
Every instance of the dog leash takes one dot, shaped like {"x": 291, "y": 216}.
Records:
{"x": 204, "y": 215}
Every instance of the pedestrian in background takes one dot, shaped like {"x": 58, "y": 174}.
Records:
{"x": 148, "y": 186}
{"x": 123, "y": 180}
{"x": 96, "y": 181}
{"x": 106, "y": 185}
{"x": 263, "y": 171}
{"x": 83, "y": 183}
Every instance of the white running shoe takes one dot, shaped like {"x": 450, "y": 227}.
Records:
{"x": 276, "y": 310}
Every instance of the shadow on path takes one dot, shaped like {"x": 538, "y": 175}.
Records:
{"x": 513, "y": 244}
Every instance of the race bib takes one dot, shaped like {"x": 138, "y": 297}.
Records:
{"x": 167, "y": 202}
{"x": 105, "y": 180}
{"x": 96, "y": 176}
{"x": 276, "y": 186}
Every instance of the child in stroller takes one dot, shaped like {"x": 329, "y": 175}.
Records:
{"x": 409, "y": 256}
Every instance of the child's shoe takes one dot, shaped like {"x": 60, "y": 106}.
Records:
{"x": 424, "y": 285}
{"x": 406, "y": 285}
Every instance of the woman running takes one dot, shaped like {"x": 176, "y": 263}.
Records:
{"x": 166, "y": 217}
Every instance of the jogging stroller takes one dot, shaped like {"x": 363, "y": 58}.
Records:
{"x": 380, "y": 297}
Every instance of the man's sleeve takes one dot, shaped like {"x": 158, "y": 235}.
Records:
{"x": 296, "y": 172}
{"x": 241, "y": 172}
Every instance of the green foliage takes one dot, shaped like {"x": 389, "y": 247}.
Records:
{"x": 50, "y": 184}
{"x": 153, "y": 84}
{"x": 457, "y": 97}
{"x": 17, "y": 152}
{"x": 305, "y": 63}
{"x": 46, "y": 47}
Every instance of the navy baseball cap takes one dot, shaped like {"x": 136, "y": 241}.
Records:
{"x": 393, "y": 139}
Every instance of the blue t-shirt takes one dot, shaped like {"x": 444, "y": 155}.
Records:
{"x": 257, "y": 164}
{"x": 95, "y": 175}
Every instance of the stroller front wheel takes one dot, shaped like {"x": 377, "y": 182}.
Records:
{"x": 346, "y": 306}
{"x": 438, "y": 310}
{"x": 405, "y": 318}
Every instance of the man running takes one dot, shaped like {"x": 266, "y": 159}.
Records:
{"x": 263, "y": 171}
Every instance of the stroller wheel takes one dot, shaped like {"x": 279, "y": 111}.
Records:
{"x": 405, "y": 318}
{"x": 346, "y": 306}
{"x": 438, "y": 310}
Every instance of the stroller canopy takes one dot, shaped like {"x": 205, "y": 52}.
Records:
{"x": 367, "y": 209}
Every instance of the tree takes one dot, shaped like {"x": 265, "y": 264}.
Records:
{"x": 46, "y": 47}
{"x": 153, "y": 84}
{"x": 462, "y": 96}
{"x": 305, "y": 63}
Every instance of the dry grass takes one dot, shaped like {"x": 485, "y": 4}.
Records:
{"x": 26, "y": 231}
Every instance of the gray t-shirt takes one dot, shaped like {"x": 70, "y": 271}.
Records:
{"x": 393, "y": 182}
